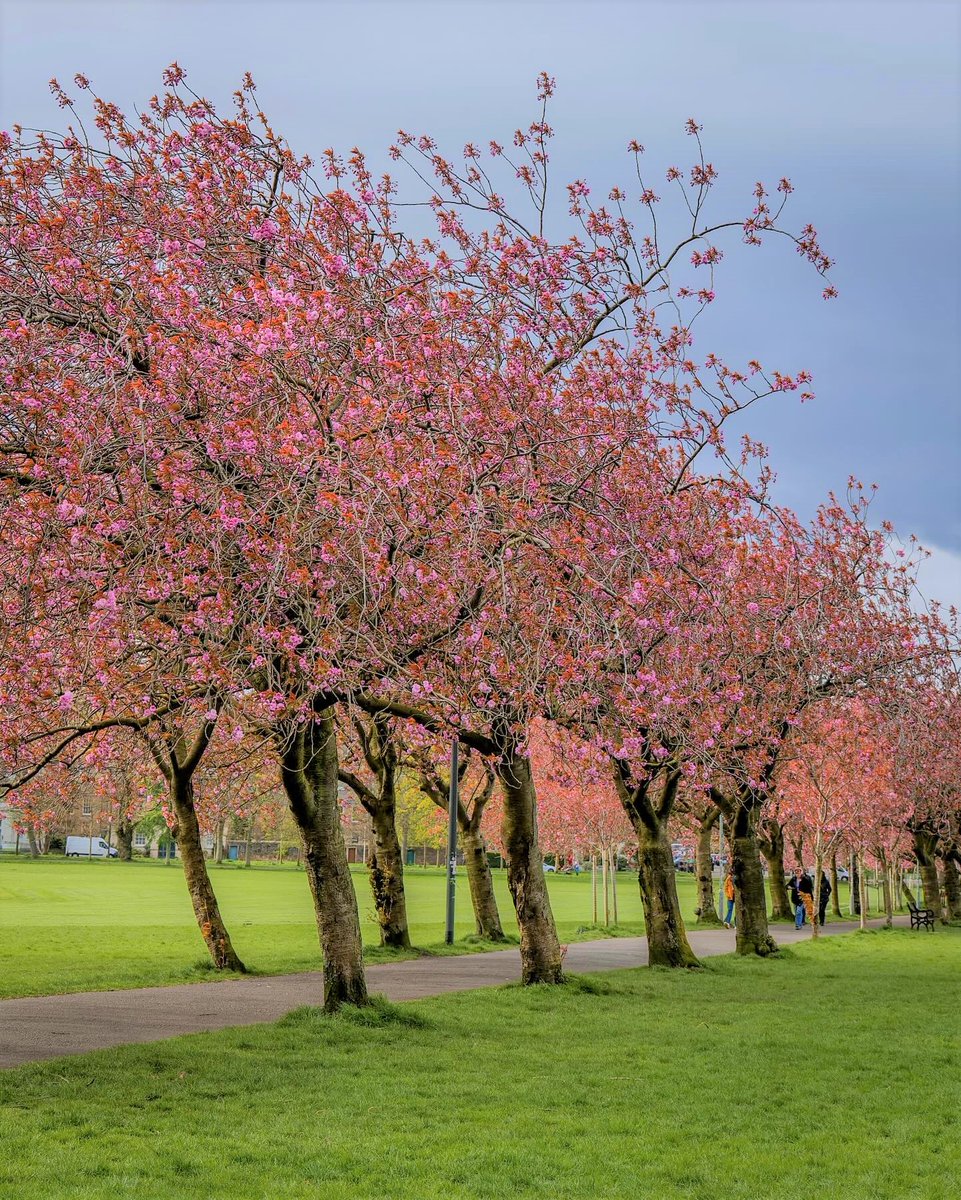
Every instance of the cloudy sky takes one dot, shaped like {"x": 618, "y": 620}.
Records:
{"x": 859, "y": 103}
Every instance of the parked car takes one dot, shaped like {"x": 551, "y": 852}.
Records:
{"x": 85, "y": 847}
{"x": 549, "y": 869}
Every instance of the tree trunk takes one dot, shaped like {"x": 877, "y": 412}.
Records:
{"x": 854, "y": 882}
{"x": 750, "y": 906}
{"x": 951, "y": 882}
{"x": 667, "y": 943}
{"x": 125, "y": 839}
{"x": 931, "y": 886}
{"x": 614, "y": 881}
{"x": 218, "y": 847}
{"x": 32, "y": 842}
{"x": 486, "y": 916}
{"x": 707, "y": 914}
{"x": 925, "y": 850}
{"x": 386, "y": 867}
{"x": 863, "y": 892}
{"x": 540, "y": 948}
{"x": 818, "y": 872}
{"x": 771, "y": 844}
{"x": 385, "y": 858}
{"x": 835, "y": 898}
{"x": 886, "y": 888}
{"x": 249, "y": 839}
{"x": 309, "y": 774}
{"x": 206, "y": 909}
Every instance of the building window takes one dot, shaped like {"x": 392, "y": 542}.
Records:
{"x": 87, "y": 808}
{"x": 140, "y": 839}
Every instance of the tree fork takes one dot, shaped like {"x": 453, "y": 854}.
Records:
{"x": 771, "y": 844}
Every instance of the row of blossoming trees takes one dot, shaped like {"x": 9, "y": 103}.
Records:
{"x": 288, "y": 491}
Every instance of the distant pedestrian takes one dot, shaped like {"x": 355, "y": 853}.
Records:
{"x": 824, "y": 895}
{"x": 796, "y": 897}
{"x": 729, "y": 895}
{"x": 806, "y": 890}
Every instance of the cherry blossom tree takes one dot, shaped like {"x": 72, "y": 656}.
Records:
{"x": 277, "y": 459}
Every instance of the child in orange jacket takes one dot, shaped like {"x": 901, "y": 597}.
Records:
{"x": 729, "y": 894}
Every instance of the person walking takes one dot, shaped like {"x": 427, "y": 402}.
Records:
{"x": 795, "y": 889}
{"x": 824, "y": 895}
{"x": 806, "y": 890}
{"x": 729, "y": 896}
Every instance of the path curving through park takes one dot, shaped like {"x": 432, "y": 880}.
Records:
{"x": 36, "y": 1028}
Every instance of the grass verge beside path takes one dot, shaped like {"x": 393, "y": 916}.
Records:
{"x": 834, "y": 1070}
{"x": 79, "y": 925}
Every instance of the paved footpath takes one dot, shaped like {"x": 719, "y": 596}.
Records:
{"x": 41, "y": 1027}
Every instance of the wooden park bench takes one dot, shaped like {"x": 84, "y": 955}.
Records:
{"x": 921, "y": 917}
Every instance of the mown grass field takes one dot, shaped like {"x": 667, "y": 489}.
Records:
{"x": 76, "y": 924}
{"x": 69, "y": 925}
{"x": 833, "y": 1071}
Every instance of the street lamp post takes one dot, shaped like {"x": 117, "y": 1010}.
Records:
{"x": 451, "y": 845}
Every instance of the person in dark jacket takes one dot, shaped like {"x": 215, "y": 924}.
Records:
{"x": 802, "y": 897}
{"x": 824, "y": 895}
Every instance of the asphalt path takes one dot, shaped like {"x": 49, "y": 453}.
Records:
{"x": 42, "y": 1027}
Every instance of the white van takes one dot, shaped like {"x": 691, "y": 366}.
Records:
{"x": 82, "y": 847}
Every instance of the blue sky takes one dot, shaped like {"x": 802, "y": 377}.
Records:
{"x": 857, "y": 102}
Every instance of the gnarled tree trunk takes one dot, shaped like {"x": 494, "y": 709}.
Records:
{"x": 387, "y": 876}
{"x": 178, "y": 760}
{"x": 835, "y": 898}
{"x": 704, "y": 867}
{"x": 925, "y": 851}
{"x": 750, "y": 905}
{"x": 125, "y": 839}
{"x": 386, "y": 861}
{"x": 308, "y": 761}
{"x": 667, "y": 944}
{"x": 202, "y": 897}
{"x": 771, "y": 844}
{"x": 951, "y": 883}
{"x": 855, "y": 884}
{"x": 487, "y": 919}
{"x": 470, "y": 814}
{"x": 540, "y": 948}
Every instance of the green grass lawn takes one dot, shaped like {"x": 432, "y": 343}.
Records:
{"x": 69, "y": 925}
{"x": 832, "y": 1071}
{"x": 74, "y": 924}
